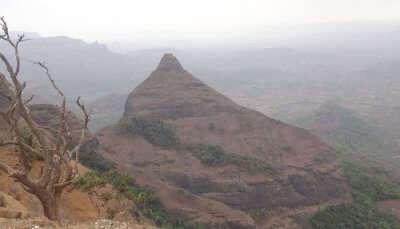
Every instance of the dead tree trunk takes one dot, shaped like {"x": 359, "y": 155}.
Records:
{"x": 60, "y": 167}
{"x": 49, "y": 202}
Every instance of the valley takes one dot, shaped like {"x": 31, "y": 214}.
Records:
{"x": 295, "y": 133}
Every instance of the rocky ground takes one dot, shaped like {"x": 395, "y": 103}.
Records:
{"x": 44, "y": 224}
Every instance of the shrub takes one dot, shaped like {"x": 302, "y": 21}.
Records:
{"x": 354, "y": 215}
{"x": 120, "y": 182}
{"x": 158, "y": 133}
{"x": 153, "y": 130}
{"x": 250, "y": 163}
{"x": 208, "y": 154}
{"x": 95, "y": 161}
{"x": 145, "y": 199}
{"x": 259, "y": 214}
{"x": 368, "y": 186}
{"x": 374, "y": 183}
{"x": 214, "y": 155}
{"x": 90, "y": 181}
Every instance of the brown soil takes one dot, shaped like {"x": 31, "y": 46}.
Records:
{"x": 20, "y": 209}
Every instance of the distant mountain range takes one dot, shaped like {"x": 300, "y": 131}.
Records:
{"x": 354, "y": 64}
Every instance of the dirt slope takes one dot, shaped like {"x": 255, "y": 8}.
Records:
{"x": 305, "y": 172}
{"x": 20, "y": 209}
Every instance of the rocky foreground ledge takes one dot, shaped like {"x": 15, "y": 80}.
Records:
{"x": 44, "y": 224}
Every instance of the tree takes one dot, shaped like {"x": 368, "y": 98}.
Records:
{"x": 60, "y": 157}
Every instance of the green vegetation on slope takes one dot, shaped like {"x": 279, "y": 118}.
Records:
{"x": 350, "y": 134}
{"x": 153, "y": 130}
{"x": 368, "y": 185}
{"x": 215, "y": 155}
{"x": 259, "y": 214}
{"x": 145, "y": 199}
{"x": 357, "y": 215}
{"x": 374, "y": 183}
{"x": 92, "y": 160}
{"x": 158, "y": 133}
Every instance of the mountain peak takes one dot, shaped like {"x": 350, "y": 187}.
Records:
{"x": 169, "y": 63}
{"x": 170, "y": 92}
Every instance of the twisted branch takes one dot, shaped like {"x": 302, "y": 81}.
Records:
{"x": 61, "y": 164}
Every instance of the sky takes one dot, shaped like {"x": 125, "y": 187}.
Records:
{"x": 109, "y": 20}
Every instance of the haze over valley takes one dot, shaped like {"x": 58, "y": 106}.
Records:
{"x": 225, "y": 114}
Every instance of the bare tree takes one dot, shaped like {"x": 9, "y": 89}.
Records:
{"x": 60, "y": 156}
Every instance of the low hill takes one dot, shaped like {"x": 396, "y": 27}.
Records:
{"x": 346, "y": 131}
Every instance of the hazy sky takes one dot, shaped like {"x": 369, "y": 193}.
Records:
{"x": 107, "y": 20}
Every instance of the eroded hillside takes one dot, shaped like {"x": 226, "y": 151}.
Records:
{"x": 218, "y": 163}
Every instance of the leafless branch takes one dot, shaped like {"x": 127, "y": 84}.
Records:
{"x": 53, "y": 83}
{"x": 29, "y": 100}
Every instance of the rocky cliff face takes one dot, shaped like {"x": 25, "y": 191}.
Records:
{"x": 303, "y": 174}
